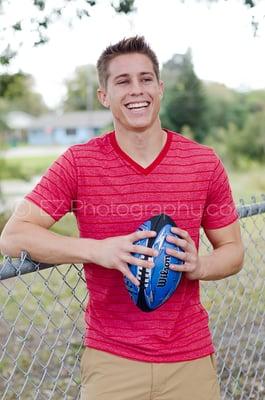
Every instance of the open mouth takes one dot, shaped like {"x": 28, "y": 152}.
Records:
{"x": 140, "y": 105}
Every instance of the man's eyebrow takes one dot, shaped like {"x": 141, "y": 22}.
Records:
{"x": 128, "y": 75}
{"x": 148, "y": 73}
{"x": 121, "y": 76}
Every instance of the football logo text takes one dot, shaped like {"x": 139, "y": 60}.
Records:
{"x": 164, "y": 273}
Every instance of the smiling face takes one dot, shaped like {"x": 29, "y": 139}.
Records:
{"x": 132, "y": 92}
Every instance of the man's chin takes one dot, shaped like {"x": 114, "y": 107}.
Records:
{"x": 139, "y": 125}
{"x": 134, "y": 124}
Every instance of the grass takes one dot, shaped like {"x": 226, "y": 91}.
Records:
{"x": 26, "y": 168}
{"x": 66, "y": 226}
{"x": 248, "y": 183}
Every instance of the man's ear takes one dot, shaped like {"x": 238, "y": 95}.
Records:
{"x": 102, "y": 97}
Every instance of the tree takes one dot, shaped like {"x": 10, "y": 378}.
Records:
{"x": 255, "y": 100}
{"x": 238, "y": 134}
{"x": 17, "y": 94}
{"x": 48, "y": 13}
{"x": 82, "y": 89}
{"x": 185, "y": 102}
{"x": 226, "y": 142}
{"x": 252, "y": 141}
{"x": 45, "y": 14}
{"x": 225, "y": 106}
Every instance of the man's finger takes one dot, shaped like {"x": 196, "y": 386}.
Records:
{"x": 183, "y": 234}
{"x": 140, "y": 262}
{"x": 177, "y": 254}
{"x": 178, "y": 242}
{"x": 138, "y": 235}
{"x": 147, "y": 251}
{"x": 126, "y": 272}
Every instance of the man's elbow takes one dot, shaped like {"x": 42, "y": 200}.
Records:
{"x": 8, "y": 244}
{"x": 240, "y": 254}
{"x": 5, "y": 247}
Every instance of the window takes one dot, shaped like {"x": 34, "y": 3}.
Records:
{"x": 70, "y": 131}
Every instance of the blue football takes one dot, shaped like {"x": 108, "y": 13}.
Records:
{"x": 157, "y": 284}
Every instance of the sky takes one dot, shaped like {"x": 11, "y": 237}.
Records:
{"x": 220, "y": 36}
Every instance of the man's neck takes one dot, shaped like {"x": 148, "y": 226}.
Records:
{"x": 143, "y": 147}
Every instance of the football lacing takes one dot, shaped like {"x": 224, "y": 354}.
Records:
{"x": 147, "y": 277}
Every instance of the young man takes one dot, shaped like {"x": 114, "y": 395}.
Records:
{"x": 112, "y": 184}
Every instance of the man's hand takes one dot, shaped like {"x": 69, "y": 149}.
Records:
{"x": 226, "y": 259}
{"x": 192, "y": 265}
{"x": 115, "y": 253}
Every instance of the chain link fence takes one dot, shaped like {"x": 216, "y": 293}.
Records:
{"x": 42, "y": 327}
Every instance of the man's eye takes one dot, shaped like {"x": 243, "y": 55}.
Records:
{"x": 121, "y": 82}
{"x": 147, "y": 79}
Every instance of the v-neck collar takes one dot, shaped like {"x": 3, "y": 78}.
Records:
{"x": 133, "y": 163}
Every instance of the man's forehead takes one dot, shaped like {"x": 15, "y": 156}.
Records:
{"x": 130, "y": 64}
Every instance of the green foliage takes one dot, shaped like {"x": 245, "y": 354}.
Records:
{"x": 255, "y": 100}
{"x": 252, "y": 138}
{"x": 82, "y": 90}
{"x": 124, "y": 6}
{"x": 78, "y": 9}
{"x": 231, "y": 122}
{"x": 44, "y": 17}
{"x": 185, "y": 102}
{"x": 24, "y": 168}
{"x": 17, "y": 93}
{"x": 225, "y": 106}
{"x": 7, "y": 55}
{"x": 237, "y": 125}
{"x": 225, "y": 141}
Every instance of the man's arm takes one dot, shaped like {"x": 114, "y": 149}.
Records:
{"x": 228, "y": 253}
{"x": 28, "y": 229}
{"x": 226, "y": 258}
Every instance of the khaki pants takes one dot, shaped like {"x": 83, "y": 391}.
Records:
{"x": 105, "y": 376}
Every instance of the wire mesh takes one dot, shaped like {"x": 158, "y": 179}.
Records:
{"x": 42, "y": 327}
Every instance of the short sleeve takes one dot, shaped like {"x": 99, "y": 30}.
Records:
{"x": 220, "y": 209}
{"x": 57, "y": 190}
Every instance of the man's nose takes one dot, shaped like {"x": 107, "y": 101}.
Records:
{"x": 136, "y": 87}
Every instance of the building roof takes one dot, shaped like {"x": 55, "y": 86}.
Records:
{"x": 78, "y": 119}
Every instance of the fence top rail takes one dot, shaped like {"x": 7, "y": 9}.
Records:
{"x": 10, "y": 268}
{"x": 248, "y": 210}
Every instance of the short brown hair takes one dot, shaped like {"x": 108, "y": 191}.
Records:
{"x": 135, "y": 44}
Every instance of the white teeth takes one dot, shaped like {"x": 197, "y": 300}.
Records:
{"x": 137, "y": 105}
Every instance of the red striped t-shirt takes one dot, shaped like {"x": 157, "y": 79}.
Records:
{"x": 111, "y": 195}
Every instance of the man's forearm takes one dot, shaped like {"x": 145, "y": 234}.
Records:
{"x": 222, "y": 262}
{"x": 46, "y": 246}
